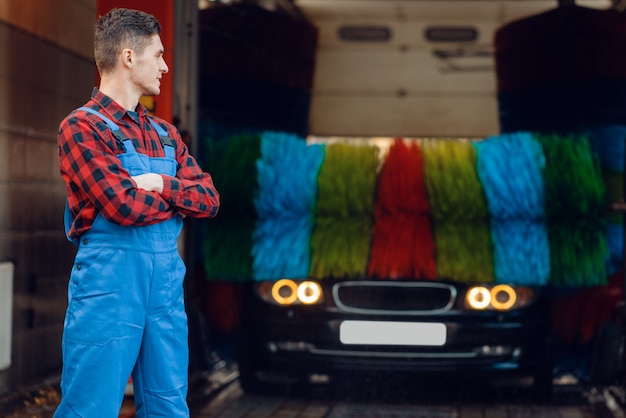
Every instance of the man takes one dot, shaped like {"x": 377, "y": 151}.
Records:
{"x": 130, "y": 180}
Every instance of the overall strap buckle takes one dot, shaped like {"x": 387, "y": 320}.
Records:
{"x": 115, "y": 130}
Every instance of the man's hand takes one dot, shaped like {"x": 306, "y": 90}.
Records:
{"x": 150, "y": 181}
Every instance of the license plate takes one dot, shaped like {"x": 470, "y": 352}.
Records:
{"x": 392, "y": 333}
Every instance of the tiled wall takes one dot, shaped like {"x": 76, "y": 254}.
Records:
{"x": 44, "y": 74}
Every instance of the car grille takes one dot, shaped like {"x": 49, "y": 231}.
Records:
{"x": 394, "y": 297}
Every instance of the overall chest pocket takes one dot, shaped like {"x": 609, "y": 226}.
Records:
{"x": 137, "y": 164}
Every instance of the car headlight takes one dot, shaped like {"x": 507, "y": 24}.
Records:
{"x": 500, "y": 297}
{"x": 286, "y": 292}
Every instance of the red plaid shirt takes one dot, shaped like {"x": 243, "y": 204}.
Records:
{"x": 96, "y": 182}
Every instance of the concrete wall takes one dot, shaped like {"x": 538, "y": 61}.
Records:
{"x": 46, "y": 70}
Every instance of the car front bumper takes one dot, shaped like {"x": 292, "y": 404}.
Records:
{"x": 306, "y": 340}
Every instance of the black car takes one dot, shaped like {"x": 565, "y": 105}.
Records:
{"x": 295, "y": 331}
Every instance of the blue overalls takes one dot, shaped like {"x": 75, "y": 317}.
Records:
{"x": 126, "y": 311}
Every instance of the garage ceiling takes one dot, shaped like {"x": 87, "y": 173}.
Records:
{"x": 492, "y": 10}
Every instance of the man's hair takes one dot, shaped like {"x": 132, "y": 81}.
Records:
{"x": 119, "y": 29}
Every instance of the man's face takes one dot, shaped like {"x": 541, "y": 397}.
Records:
{"x": 149, "y": 67}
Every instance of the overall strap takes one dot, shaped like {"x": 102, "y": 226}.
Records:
{"x": 168, "y": 145}
{"x": 117, "y": 133}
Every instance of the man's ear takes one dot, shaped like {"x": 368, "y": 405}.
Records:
{"x": 127, "y": 57}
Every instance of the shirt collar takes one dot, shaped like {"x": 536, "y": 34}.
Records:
{"x": 110, "y": 106}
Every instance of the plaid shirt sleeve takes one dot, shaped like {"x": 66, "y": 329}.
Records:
{"x": 97, "y": 182}
{"x": 191, "y": 192}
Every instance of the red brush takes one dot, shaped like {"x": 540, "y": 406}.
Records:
{"x": 403, "y": 244}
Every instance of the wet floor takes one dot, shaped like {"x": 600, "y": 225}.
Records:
{"x": 220, "y": 396}
{"x": 389, "y": 396}
{"x": 232, "y": 402}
